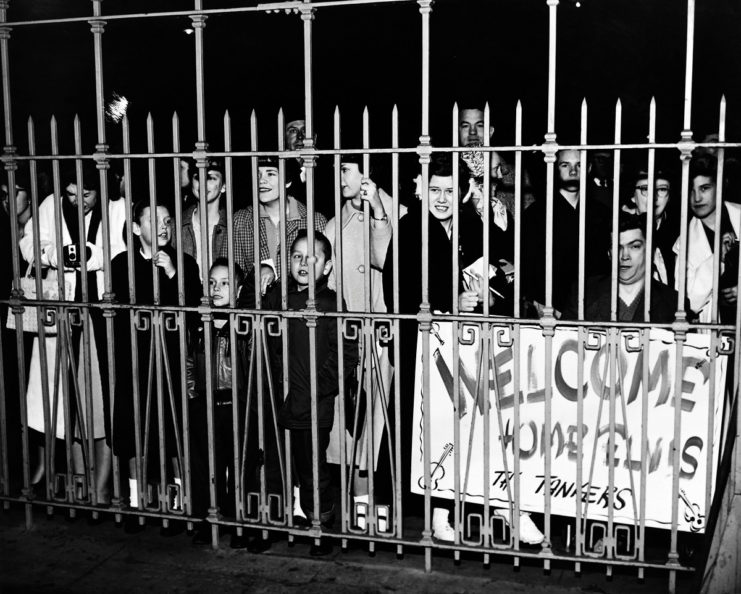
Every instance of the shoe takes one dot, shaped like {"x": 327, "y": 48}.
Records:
{"x": 202, "y": 535}
{"x": 441, "y": 528}
{"x": 321, "y": 549}
{"x": 529, "y": 532}
{"x": 301, "y": 522}
{"x": 259, "y": 545}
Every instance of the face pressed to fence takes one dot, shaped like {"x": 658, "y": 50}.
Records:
{"x": 702, "y": 196}
{"x": 269, "y": 184}
{"x": 350, "y": 179}
{"x": 661, "y": 196}
{"x": 568, "y": 164}
{"x": 215, "y": 186}
{"x": 143, "y": 228}
{"x": 632, "y": 251}
{"x": 89, "y": 197}
{"x": 441, "y": 199}
{"x": 218, "y": 286}
{"x": 300, "y": 262}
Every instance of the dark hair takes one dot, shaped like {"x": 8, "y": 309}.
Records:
{"x": 357, "y": 158}
{"x": 441, "y": 165}
{"x": 658, "y": 174}
{"x": 138, "y": 209}
{"x": 319, "y": 238}
{"x": 211, "y": 165}
{"x": 90, "y": 175}
{"x": 630, "y": 221}
{"x": 237, "y": 272}
{"x": 705, "y": 165}
{"x": 267, "y": 161}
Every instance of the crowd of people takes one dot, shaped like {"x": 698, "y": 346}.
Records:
{"x": 137, "y": 415}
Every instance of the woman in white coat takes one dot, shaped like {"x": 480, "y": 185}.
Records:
{"x": 47, "y": 414}
{"x": 357, "y": 190}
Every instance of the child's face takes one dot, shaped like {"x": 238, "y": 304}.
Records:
{"x": 300, "y": 265}
{"x": 218, "y": 283}
{"x": 143, "y": 228}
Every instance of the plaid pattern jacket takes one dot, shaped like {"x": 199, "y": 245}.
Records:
{"x": 244, "y": 234}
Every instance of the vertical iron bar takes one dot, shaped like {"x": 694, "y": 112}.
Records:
{"x": 517, "y": 332}
{"x": 583, "y": 336}
{"x": 346, "y": 499}
{"x": 396, "y": 488}
{"x": 457, "y": 507}
{"x": 91, "y": 465}
{"x": 424, "y": 151}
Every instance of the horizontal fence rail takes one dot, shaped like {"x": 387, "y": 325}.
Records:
{"x": 289, "y": 342}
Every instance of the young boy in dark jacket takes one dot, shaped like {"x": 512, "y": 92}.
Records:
{"x": 295, "y": 413}
{"x": 228, "y": 369}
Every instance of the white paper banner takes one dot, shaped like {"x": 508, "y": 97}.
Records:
{"x": 628, "y": 418}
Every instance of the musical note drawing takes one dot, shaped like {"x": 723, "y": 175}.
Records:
{"x": 437, "y": 472}
{"x": 692, "y": 513}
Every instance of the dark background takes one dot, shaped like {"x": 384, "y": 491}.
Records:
{"x": 370, "y": 55}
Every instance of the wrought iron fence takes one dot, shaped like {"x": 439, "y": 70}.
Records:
{"x": 421, "y": 425}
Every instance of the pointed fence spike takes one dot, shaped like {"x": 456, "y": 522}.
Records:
{"x": 175, "y": 118}
{"x": 487, "y": 126}
{"x": 584, "y": 121}
{"x": 281, "y": 130}
{"x": 336, "y": 129}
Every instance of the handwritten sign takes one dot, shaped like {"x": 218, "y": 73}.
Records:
{"x": 489, "y": 389}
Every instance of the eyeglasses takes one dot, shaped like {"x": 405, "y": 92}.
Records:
{"x": 661, "y": 191}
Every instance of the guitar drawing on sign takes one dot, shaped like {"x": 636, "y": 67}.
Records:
{"x": 692, "y": 513}
{"x": 437, "y": 472}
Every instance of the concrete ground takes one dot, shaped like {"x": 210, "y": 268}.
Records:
{"x": 58, "y": 555}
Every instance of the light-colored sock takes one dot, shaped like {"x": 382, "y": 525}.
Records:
{"x": 361, "y": 510}
{"x": 382, "y": 516}
{"x": 297, "y": 511}
{"x": 178, "y": 503}
{"x": 441, "y": 528}
{"x": 133, "y": 493}
{"x": 440, "y": 517}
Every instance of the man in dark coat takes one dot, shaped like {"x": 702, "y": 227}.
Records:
{"x": 598, "y": 290}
